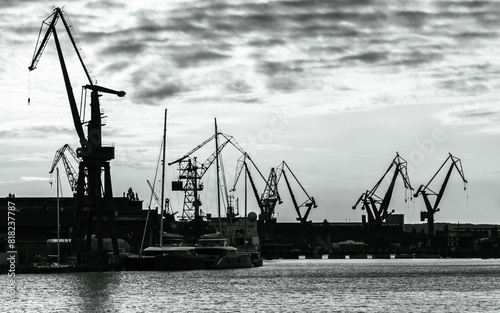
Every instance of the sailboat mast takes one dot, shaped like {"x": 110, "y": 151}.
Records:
{"x": 246, "y": 228}
{"x": 58, "y": 239}
{"x": 163, "y": 178}
{"x": 218, "y": 178}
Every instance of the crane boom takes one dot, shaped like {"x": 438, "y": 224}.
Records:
{"x": 54, "y": 17}
{"x": 254, "y": 189}
{"x": 192, "y": 151}
{"x": 36, "y": 57}
{"x": 95, "y": 122}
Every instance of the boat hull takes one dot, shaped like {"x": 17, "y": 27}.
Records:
{"x": 232, "y": 261}
{"x": 139, "y": 263}
{"x": 223, "y": 258}
{"x": 178, "y": 263}
{"x": 163, "y": 263}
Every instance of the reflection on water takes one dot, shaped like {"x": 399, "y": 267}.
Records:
{"x": 279, "y": 286}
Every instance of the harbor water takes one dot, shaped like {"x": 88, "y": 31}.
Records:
{"x": 325, "y": 285}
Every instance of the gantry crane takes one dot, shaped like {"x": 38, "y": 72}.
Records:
{"x": 95, "y": 156}
{"x": 426, "y": 191}
{"x": 376, "y": 207}
{"x": 309, "y": 203}
{"x": 70, "y": 171}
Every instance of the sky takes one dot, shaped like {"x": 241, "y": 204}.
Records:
{"x": 333, "y": 88}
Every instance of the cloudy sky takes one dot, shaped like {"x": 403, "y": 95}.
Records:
{"x": 334, "y": 88}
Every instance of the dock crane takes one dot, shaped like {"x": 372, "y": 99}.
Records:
{"x": 191, "y": 171}
{"x": 376, "y": 207}
{"x": 270, "y": 197}
{"x": 309, "y": 203}
{"x": 95, "y": 156}
{"x": 70, "y": 171}
{"x": 426, "y": 191}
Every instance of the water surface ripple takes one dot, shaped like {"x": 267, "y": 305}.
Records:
{"x": 409, "y": 285}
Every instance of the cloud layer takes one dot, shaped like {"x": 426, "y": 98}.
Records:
{"x": 344, "y": 84}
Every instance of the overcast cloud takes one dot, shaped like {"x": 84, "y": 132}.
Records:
{"x": 335, "y": 88}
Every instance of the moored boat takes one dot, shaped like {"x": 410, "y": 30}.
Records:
{"x": 217, "y": 254}
{"x": 165, "y": 258}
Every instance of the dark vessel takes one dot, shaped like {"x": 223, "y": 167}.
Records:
{"x": 174, "y": 257}
{"x": 217, "y": 254}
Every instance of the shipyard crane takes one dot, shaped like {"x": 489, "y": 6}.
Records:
{"x": 270, "y": 197}
{"x": 377, "y": 208}
{"x": 191, "y": 171}
{"x": 70, "y": 171}
{"x": 309, "y": 203}
{"x": 166, "y": 206}
{"x": 265, "y": 204}
{"x": 95, "y": 156}
{"x": 426, "y": 191}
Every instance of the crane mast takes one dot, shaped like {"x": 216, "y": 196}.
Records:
{"x": 426, "y": 191}
{"x": 94, "y": 199}
{"x": 191, "y": 172}
{"x": 270, "y": 197}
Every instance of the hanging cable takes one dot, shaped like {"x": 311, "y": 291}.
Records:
{"x": 29, "y": 88}
{"x": 466, "y": 194}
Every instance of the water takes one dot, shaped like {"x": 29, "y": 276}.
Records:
{"x": 408, "y": 285}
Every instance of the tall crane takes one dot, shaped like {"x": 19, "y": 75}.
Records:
{"x": 426, "y": 191}
{"x": 191, "y": 171}
{"x": 70, "y": 171}
{"x": 309, "y": 203}
{"x": 377, "y": 207}
{"x": 270, "y": 197}
{"x": 95, "y": 156}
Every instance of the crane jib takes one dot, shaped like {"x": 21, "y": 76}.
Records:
{"x": 93, "y": 143}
